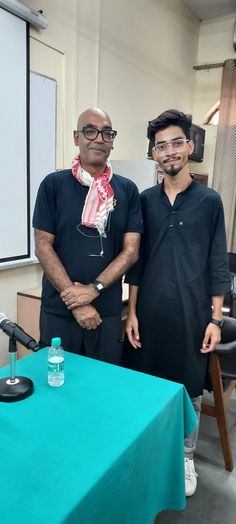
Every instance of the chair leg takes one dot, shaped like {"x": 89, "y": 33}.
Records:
{"x": 220, "y": 410}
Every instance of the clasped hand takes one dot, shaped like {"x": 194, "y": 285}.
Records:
{"x": 87, "y": 317}
{"x": 78, "y": 295}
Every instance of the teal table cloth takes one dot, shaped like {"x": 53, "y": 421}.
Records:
{"x": 107, "y": 447}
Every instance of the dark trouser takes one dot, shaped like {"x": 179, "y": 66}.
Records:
{"x": 103, "y": 343}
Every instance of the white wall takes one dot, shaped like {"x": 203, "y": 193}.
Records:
{"x": 215, "y": 46}
{"x": 147, "y": 50}
{"x": 132, "y": 58}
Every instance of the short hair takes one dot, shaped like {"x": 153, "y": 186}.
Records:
{"x": 171, "y": 117}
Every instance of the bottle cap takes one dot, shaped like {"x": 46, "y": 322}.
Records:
{"x": 56, "y": 341}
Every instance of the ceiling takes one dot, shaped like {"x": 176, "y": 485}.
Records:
{"x": 203, "y": 9}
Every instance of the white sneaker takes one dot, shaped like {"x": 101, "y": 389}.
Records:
{"x": 190, "y": 477}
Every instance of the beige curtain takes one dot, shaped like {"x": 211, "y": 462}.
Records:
{"x": 224, "y": 173}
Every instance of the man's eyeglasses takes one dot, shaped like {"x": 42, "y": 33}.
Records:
{"x": 91, "y": 133}
{"x": 177, "y": 144}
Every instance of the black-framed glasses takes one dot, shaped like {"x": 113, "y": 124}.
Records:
{"x": 91, "y": 133}
{"x": 177, "y": 144}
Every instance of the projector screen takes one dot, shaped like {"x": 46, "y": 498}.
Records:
{"x": 14, "y": 157}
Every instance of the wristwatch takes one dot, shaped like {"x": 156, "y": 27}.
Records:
{"x": 218, "y": 323}
{"x": 98, "y": 286}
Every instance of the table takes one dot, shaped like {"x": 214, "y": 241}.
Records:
{"x": 104, "y": 448}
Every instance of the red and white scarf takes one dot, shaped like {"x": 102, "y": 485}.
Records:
{"x": 100, "y": 197}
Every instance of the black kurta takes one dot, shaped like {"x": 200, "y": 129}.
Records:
{"x": 183, "y": 264}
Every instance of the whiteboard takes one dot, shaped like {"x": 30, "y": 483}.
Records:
{"x": 42, "y": 132}
{"x": 42, "y": 136}
{"x": 14, "y": 203}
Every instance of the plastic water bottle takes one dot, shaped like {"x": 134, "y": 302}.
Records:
{"x": 56, "y": 363}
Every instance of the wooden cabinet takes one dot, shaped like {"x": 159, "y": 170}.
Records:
{"x": 203, "y": 178}
{"x": 28, "y": 311}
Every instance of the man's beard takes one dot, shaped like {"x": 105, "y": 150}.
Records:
{"x": 172, "y": 170}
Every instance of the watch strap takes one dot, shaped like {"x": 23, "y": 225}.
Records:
{"x": 218, "y": 323}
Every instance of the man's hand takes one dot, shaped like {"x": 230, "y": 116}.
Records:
{"x": 78, "y": 295}
{"x": 132, "y": 330}
{"x": 87, "y": 317}
{"x": 211, "y": 339}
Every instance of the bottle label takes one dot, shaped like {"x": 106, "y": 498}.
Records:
{"x": 56, "y": 366}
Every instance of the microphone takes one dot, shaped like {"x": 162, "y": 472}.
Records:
{"x": 13, "y": 330}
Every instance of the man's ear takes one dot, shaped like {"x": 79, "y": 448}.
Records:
{"x": 191, "y": 147}
{"x": 154, "y": 155}
{"x": 76, "y": 138}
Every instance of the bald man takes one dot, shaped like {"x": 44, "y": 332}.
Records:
{"x": 87, "y": 224}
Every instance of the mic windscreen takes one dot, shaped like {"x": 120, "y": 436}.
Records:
{"x": 3, "y": 316}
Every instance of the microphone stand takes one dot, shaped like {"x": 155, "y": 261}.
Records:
{"x": 14, "y": 388}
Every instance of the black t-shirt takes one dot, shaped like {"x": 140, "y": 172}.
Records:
{"x": 83, "y": 253}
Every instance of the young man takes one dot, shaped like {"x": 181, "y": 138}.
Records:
{"x": 178, "y": 284}
{"x": 87, "y": 230}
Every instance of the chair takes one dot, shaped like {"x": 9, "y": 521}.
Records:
{"x": 230, "y": 298}
{"x": 222, "y": 368}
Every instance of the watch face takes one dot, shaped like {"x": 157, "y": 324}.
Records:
{"x": 98, "y": 285}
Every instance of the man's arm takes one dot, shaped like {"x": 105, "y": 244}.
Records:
{"x": 126, "y": 258}
{"x": 132, "y": 327}
{"x": 219, "y": 274}
{"x": 79, "y": 294}
{"x": 87, "y": 317}
{"x": 217, "y": 304}
{"x": 213, "y": 333}
{"x": 50, "y": 262}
